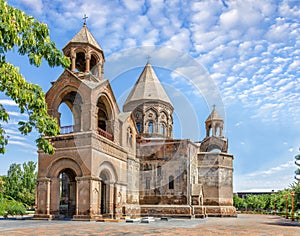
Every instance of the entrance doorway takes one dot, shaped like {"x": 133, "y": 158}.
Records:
{"x": 67, "y": 193}
{"x": 105, "y": 194}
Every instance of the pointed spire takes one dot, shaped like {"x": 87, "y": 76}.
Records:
{"x": 85, "y": 36}
{"x": 214, "y": 115}
{"x": 147, "y": 88}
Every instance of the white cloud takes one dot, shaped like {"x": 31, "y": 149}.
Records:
{"x": 35, "y": 5}
{"x": 272, "y": 170}
{"x": 7, "y": 102}
{"x": 250, "y": 48}
{"x": 22, "y": 144}
{"x": 14, "y": 113}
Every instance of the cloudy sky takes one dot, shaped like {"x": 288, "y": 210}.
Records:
{"x": 248, "y": 50}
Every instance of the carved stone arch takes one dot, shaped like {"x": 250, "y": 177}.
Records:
{"x": 56, "y": 95}
{"x": 109, "y": 170}
{"x": 80, "y": 59}
{"x": 163, "y": 128}
{"x": 138, "y": 114}
{"x": 72, "y": 98}
{"x": 57, "y": 166}
{"x": 106, "y": 113}
{"x": 109, "y": 105}
{"x": 150, "y": 124}
{"x": 163, "y": 115}
{"x": 213, "y": 147}
{"x": 129, "y": 136}
{"x": 153, "y": 110}
{"x": 95, "y": 63}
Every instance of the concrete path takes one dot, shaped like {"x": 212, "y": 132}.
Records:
{"x": 242, "y": 225}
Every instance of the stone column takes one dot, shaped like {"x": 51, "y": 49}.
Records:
{"x": 111, "y": 199}
{"x": 87, "y": 62}
{"x": 91, "y": 197}
{"x": 55, "y": 195}
{"x": 43, "y": 196}
{"x": 73, "y": 60}
{"x": 86, "y": 112}
{"x": 48, "y": 198}
{"x": 77, "y": 198}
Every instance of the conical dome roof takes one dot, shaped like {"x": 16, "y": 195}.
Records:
{"x": 85, "y": 36}
{"x": 147, "y": 88}
{"x": 214, "y": 115}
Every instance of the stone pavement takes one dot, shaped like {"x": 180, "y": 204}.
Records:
{"x": 242, "y": 225}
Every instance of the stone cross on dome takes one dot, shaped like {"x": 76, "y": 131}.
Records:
{"x": 148, "y": 58}
{"x": 84, "y": 18}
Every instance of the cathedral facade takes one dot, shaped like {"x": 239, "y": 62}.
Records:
{"x": 116, "y": 164}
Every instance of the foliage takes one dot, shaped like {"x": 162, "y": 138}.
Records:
{"x": 2, "y": 184}
{"x": 15, "y": 208}
{"x": 2, "y": 205}
{"x": 297, "y": 163}
{"x": 9, "y": 206}
{"x": 20, "y": 182}
{"x": 270, "y": 202}
{"x": 31, "y": 38}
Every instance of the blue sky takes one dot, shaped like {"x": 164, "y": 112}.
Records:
{"x": 248, "y": 50}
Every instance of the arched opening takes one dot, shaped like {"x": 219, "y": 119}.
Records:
{"x": 104, "y": 120}
{"x": 80, "y": 64}
{"x": 150, "y": 127}
{"x": 105, "y": 193}
{"x": 66, "y": 119}
{"x": 171, "y": 182}
{"x": 138, "y": 126}
{"x": 129, "y": 137}
{"x": 70, "y": 113}
{"x": 215, "y": 150}
{"x": 94, "y": 66}
{"x": 158, "y": 170}
{"x": 67, "y": 193}
{"x": 148, "y": 179}
{"x": 209, "y": 131}
{"x": 162, "y": 129}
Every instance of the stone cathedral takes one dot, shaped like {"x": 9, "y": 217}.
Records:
{"x": 115, "y": 164}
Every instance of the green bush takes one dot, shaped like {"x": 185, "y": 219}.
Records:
{"x": 2, "y": 205}
{"x": 15, "y": 208}
{"x": 9, "y": 206}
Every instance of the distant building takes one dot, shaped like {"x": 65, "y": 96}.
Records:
{"x": 254, "y": 192}
{"x": 114, "y": 164}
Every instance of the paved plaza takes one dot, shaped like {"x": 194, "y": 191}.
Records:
{"x": 242, "y": 225}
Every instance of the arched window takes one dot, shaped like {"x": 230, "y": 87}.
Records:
{"x": 138, "y": 126}
{"x": 158, "y": 170}
{"x": 70, "y": 113}
{"x": 102, "y": 115}
{"x": 148, "y": 183}
{"x": 66, "y": 119}
{"x": 93, "y": 66}
{"x": 171, "y": 182}
{"x": 80, "y": 62}
{"x": 150, "y": 127}
{"x": 129, "y": 137}
{"x": 162, "y": 129}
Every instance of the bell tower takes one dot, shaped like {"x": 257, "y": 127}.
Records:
{"x": 214, "y": 139}
{"x": 214, "y": 124}
{"x": 86, "y": 177}
{"x": 87, "y": 57}
{"x": 215, "y": 170}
